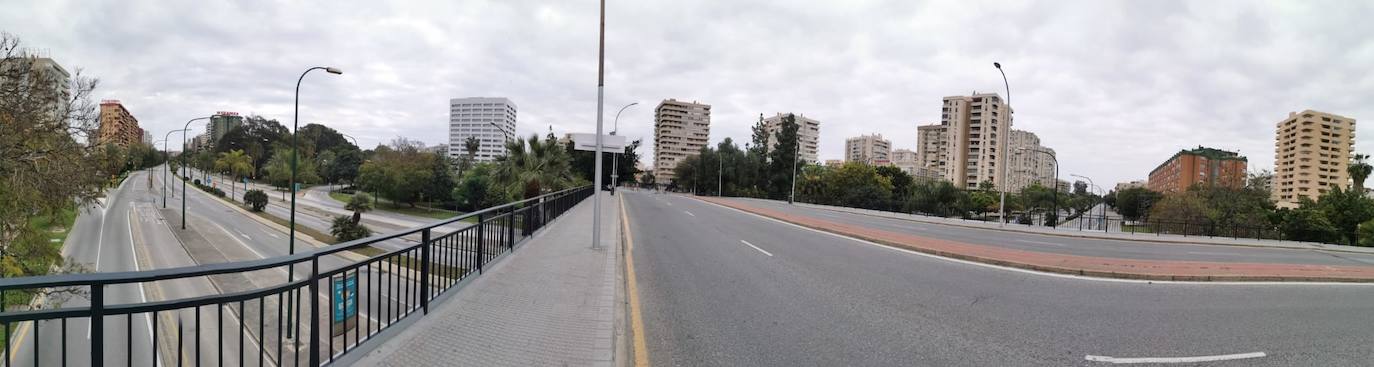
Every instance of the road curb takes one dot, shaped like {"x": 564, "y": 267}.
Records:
{"x": 1085, "y": 234}
{"x": 1064, "y": 270}
{"x": 309, "y": 241}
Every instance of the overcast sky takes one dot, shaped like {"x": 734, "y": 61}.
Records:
{"x": 1115, "y": 87}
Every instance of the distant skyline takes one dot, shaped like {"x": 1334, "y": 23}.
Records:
{"x": 1115, "y": 87}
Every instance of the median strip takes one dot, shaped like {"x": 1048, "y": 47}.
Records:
{"x": 1102, "y": 267}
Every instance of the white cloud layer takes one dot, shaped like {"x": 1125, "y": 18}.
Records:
{"x": 1114, "y": 86}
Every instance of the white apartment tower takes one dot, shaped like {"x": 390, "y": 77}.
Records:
{"x": 808, "y": 131}
{"x": 1029, "y": 162}
{"x": 681, "y": 129}
{"x": 490, "y": 119}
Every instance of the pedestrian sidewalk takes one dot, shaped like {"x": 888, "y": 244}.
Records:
{"x": 1072, "y": 264}
{"x": 551, "y": 302}
{"x": 1097, "y": 234}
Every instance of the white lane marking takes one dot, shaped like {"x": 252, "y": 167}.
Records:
{"x": 689, "y": 213}
{"x": 1216, "y": 358}
{"x": 1041, "y": 273}
{"x": 236, "y": 239}
{"x": 756, "y": 248}
{"x": 1041, "y": 242}
{"x": 142, "y": 295}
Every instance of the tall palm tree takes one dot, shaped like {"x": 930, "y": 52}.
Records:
{"x": 237, "y": 164}
{"x": 358, "y": 204}
{"x": 532, "y": 167}
{"x": 1359, "y": 170}
{"x": 471, "y": 145}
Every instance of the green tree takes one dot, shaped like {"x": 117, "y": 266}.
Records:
{"x": 782, "y": 159}
{"x": 476, "y": 189}
{"x": 344, "y": 229}
{"x": 1346, "y": 209}
{"x": 1135, "y": 203}
{"x": 400, "y": 173}
{"x": 1308, "y": 224}
{"x": 236, "y": 164}
{"x": 439, "y": 189}
{"x": 1359, "y": 170}
{"x": 256, "y": 200}
{"x": 532, "y": 167}
{"x": 279, "y": 169}
{"x": 901, "y": 181}
{"x": 359, "y": 203}
{"x": 46, "y": 167}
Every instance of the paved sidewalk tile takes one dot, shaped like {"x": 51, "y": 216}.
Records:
{"x": 551, "y": 303}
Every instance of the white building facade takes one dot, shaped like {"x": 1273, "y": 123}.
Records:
{"x": 490, "y": 119}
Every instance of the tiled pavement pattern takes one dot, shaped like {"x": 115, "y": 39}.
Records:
{"x": 550, "y": 303}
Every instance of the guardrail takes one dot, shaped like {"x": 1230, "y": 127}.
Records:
{"x": 365, "y": 298}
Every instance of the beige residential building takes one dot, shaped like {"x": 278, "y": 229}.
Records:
{"x": 808, "y": 130}
{"x": 1137, "y": 184}
{"x": 964, "y": 146}
{"x": 870, "y": 149}
{"x": 681, "y": 129}
{"x": 932, "y": 148}
{"x": 905, "y": 159}
{"x": 117, "y": 125}
{"x": 1029, "y": 161}
{"x": 834, "y": 162}
{"x": 1312, "y": 150}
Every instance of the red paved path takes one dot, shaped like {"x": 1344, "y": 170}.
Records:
{"x": 1075, "y": 264}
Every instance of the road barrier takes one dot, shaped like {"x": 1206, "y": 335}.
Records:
{"x": 362, "y": 299}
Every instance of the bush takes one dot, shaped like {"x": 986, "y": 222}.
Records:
{"x": 344, "y": 229}
{"x": 1366, "y": 233}
{"x": 256, "y": 199}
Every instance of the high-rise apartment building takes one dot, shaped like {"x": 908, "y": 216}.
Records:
{"x": 490, "y": 119}
{"x": 975, "y": 126}
{"x": 904, "y": 159}
{"x": 870, "y": 149}
{"x": 964, "y": 146}
{"x": 932, "y": 148}
{"x": 808, "y": 131}
{"x": 221, "y": 123}
{"x": 1205, "y": 166}
{"x": 147, "y": 137}
{"x": 1029, "y": 162}
{"x": 681, "y": 129}
{"x": 48, "y": 80}
{"x": 117, "y": 125}
{"x": 1312, "y": 151}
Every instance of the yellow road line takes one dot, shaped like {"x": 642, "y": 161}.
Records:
{"x": 641, "y": 349}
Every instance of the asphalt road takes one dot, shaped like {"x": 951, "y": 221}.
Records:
{"x": 722, "y": 288}
{"x": 1078, "y": 246}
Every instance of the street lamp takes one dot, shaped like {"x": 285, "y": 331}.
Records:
{"x": 1055, "y": 223}
{"x": 1002, "y": 203}
{"x": 167, "y": 161}
{"x": 185, "y": 163}
{"x": 295, "y": 122}
{"x": 615, "y": 181}
{"x": 1102, "y": 200}
{"x": 795, "y": 155}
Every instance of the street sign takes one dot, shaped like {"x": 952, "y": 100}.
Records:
{"x": 609, "y": 143}
{"x": 345, "y": 304}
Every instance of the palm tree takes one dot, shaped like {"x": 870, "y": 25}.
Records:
{"x": 471, "y": 145}
{"x": 1359, "y": 171}
{"x": 531, "y": 167}
{"x": 237, "y": 164}
{"x": 359, "y": 203}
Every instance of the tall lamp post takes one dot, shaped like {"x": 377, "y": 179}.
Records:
{"x": 615, "y": 168}
{"x": 1002, "y": 150}
{"x": 295, "y": 122}
{"x": 1055, "y": 223}
{"x": 168, "y": 161}
{"x": 796, "y": 153}
{"x": 600, "y": 102}
{"x": 185, "y": 163}
{"x": 1102, "y": 200}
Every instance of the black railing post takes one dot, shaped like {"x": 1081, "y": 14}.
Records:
{"x": 481, "y": 242}
{"x": 510, "y": 229}
{"x": 424, "y": 270}
{"x": 97, "y": 325}
{"x": 315, "y": 311}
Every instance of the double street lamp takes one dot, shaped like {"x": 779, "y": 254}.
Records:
{"x": 168, "y": 161}
{"x": 1055, "y": 223}
{"x": 1102, "y": 200}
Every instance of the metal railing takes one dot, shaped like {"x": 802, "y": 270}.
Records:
{"x": 265, "y": 326}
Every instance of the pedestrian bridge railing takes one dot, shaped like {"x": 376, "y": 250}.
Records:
{"x": 102, "y": 318}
